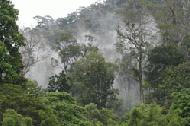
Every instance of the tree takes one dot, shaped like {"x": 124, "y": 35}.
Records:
{"x": 172, "y": 17}
{"x": 70, "y": 53}
{"x": 92, "y": 79}
{"x": 174, "y": 79}
{"x": 48, "y": 118}
{"x": 159, "y": 59}
{"x": 70, "y": 50}
{"x": 177, "y": 78}
{"x": 11, "y": 118}
{"x": 25, "y": 100}
{"x": 10, "y": 40}
{"x": 63, "y": 110}
{"x": 181, "y": 104}
{"x": 185, "y": 47}
{"x": 44, "y": 22}
{"x": 59, "y": 83}
{"x": 32, "y": 41}
{"x": 151, "y": 115}
{"x": 134, "y": 37}
{"x": 103, "y": 116}
{"x": 7, "y": 73}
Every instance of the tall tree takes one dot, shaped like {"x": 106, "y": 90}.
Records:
{"x": 134, "y": 37}
{"x": 32, "y": 41}
{"x": 92, "y": 79}
{"x": 70, "y": 50}
{"x": 10, "y": 41}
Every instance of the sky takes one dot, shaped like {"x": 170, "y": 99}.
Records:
{"x": 55, "y": 8}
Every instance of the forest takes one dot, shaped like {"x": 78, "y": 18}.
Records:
{"x": 114, "y": 63}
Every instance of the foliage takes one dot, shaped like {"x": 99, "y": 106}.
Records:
{"x": 177, "y": 78}
{"x": 48, "y": 118}
{"x": 181, "y": 104}
{"x": 134, "y": 39}
{"x": 89, "y": 77}
{"x": 159, "y": 59}
{"x": 25, "y": 100}
{"x": 7, "y": 73}
{"x": 173, "y": 79}
{"x": 70, "y": 50}
{"x": 103, "y": 117}
{"x": 151, "y": 115}
{"x": 92, "y": 79}
{"x": 48, "y": 109}
{"x": 11, "y": 118}
{"x": 67, "y": 112}
{"x": 10, "y": 41}
{"x": 185, "y": 47}
{"x": 59, "y": 83}
{"x": 172, "y": 18}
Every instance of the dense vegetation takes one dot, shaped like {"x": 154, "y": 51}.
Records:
{"x": 83, "y": 93}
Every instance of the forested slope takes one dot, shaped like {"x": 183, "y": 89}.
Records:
{"x": 150, "y": 40}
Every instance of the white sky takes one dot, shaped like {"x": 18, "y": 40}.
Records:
{"x": 55, "y": 8}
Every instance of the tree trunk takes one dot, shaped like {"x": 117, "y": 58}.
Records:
{"x": 141, "y": 75}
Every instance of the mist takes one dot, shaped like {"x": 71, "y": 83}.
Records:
{"x": 98, "y": 21}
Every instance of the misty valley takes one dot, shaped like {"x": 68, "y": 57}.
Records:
{"x": 113, "y": 63}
